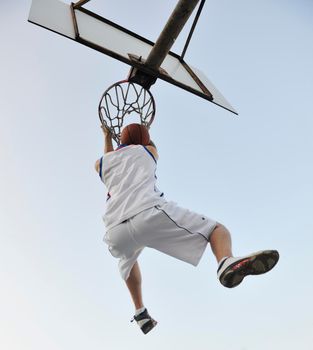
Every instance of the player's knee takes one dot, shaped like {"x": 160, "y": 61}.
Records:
{"x": 219, "y": 229}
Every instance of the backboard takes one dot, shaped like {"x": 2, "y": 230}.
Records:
{"x": 97, "y": 32}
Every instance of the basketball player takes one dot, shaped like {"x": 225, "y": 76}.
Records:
{"x": 138, "y": 216}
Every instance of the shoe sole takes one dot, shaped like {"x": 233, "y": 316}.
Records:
{"x": 256, "y": 264}
{"x": 148, "y": 326}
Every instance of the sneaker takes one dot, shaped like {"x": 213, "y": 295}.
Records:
{"x": 145, "y": 321}
{"x": 232, "y": 270}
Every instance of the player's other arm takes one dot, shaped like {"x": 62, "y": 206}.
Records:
{"x": 108, "y": 145}
{"x": 152, "y": 148}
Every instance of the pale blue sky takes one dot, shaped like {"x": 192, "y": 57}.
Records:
{"x": 60, "y": 287}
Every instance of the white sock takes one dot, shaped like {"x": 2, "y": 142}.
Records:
{"x": 222, "y": 260}
{"x": 139, "y": 311}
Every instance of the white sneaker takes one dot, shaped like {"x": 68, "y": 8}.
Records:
{"x": 232, "y": 271}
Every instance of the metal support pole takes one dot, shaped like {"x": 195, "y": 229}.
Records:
{"x": 192, "y": 30}
{"x": 169, "y": 34}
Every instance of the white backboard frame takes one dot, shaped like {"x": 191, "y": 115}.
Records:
{"x": 96, "y": 32}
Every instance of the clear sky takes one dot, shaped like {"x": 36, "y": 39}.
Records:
{"x": 60, "y": 287}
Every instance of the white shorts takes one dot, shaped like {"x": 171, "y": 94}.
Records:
{"x": 168, "y": 228}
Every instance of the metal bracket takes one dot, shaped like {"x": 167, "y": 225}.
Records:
{"x": 80, "y": 3}
{"x": 136, "y": 75}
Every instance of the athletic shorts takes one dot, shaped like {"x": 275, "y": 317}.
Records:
{"x": 168, "y": 228}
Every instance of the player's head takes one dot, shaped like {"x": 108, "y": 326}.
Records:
{"x": 135, "y": 134}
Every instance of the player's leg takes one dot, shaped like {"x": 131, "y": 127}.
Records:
{"x": 220, "y": 241}
{"x": 142, "y": 317}
{"x": 184, "y": 235}
{"x": 122, "y": 246}
{"x": 134, "y": 286}
{"x": 232, "y": 270}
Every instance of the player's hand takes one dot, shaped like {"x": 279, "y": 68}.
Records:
{"x": 106, "y": 130}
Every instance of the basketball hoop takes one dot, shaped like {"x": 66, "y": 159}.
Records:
{"x": 122, "y": 99}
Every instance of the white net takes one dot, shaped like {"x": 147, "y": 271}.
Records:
{"x": 120, "y": 102}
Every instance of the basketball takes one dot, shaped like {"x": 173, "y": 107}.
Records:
{"x": 135, "y": 134}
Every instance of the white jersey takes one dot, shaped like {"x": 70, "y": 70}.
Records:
{"x": 129, "y": 175}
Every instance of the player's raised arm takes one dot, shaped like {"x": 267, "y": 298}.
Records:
{"x": 108, "y": 146}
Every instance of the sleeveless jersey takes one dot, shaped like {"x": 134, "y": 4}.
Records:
{"x": 129, "y": 175}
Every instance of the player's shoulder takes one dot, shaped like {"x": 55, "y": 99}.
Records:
{"x": 153, "y": 151}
